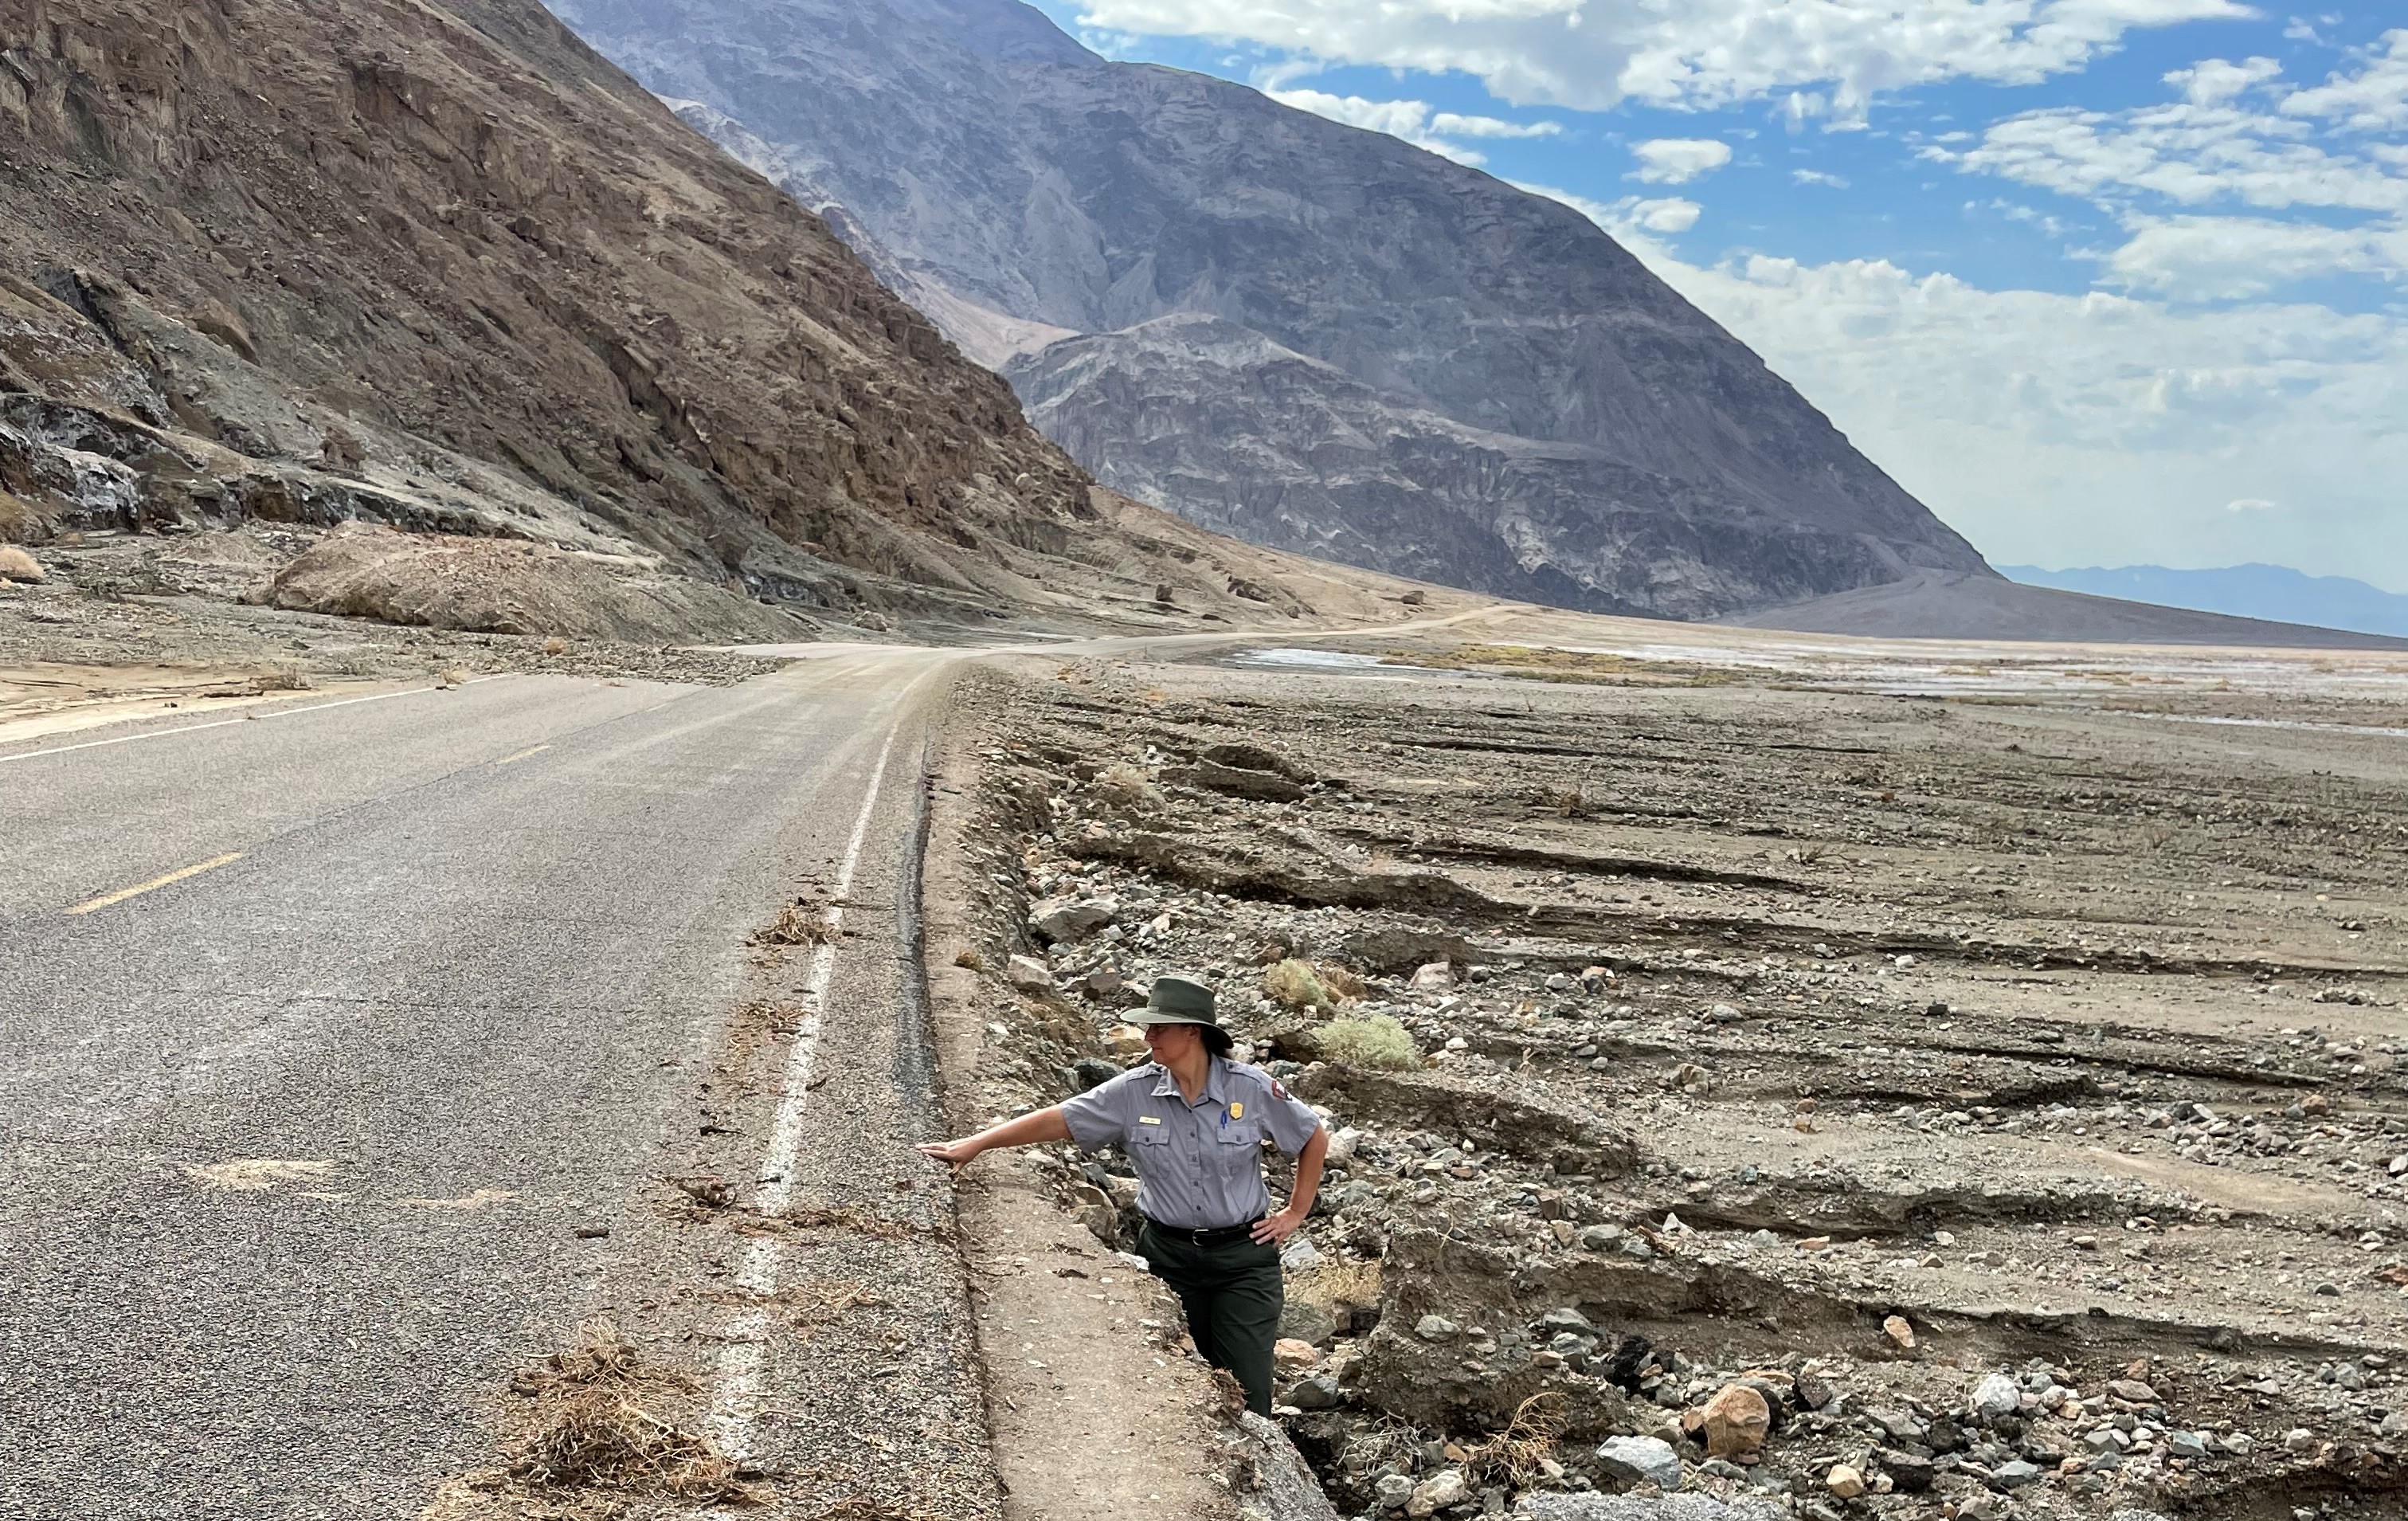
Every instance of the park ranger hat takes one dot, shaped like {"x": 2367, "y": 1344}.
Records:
{"x": 1178, "y": 1001}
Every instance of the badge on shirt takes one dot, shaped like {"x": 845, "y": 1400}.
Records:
{"x": 1237, "y": 1112}
{"x": 1149, "y": 1119}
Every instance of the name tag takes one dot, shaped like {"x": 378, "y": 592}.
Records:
{"x": 1148, "y": 1119}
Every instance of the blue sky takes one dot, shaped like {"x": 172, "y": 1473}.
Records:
{"x": 2104, "y": 282}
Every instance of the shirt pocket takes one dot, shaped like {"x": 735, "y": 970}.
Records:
{"x": 1147, "y": 1141}
{"x": 1238, "y": 1145}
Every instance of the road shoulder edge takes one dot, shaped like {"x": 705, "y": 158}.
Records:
{"x": 1089, "y": 1417}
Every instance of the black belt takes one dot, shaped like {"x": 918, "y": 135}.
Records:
{"x": 1215, "y": 1236}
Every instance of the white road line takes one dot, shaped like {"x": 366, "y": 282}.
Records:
{"x": 530, "y": 753}
{"x": 226, "y": 722}
{"x": 736, "y": 1405}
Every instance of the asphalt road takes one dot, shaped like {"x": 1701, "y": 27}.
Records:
{"x": 295, "y": 1148}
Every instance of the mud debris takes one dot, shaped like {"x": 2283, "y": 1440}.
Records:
{"x": 1838, "y": 1107}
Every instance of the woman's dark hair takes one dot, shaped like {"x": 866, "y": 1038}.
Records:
{"x": 1216, "y": 1039}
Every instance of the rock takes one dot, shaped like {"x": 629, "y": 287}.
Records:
{"x": 1319, "y": 1392}
{"x": 1640, "y": 1461}
{"x": 1566, "y": 1319}
{"x": 1093, "y": 1071}
{"x": 1343, "y": 1146}
{"x": 1735, "y": 1421}
{"x": 2299, "y": 1440}
{"x": 2133, "y": 1391}
{"x": 2014, "y": 1474}
{"x": 1302, "y": 1321}
{"x": 1301, "y": 1256}
{"x": 1900, "y": 1331}
{"x": 1996, "y": 1396}
{"x": 1029, "y": 975}
{"x": 1845, "y": 1482}
{"x": 1435, "y": 1329}
{"x": 1060, "y": 921}
{"x": 1273, "y": 1482}
{"x": 1437, "y": 1492}
{"x": 1293, "y": 1355}
{"x": 1124, "y": 1040}
{"x": 1103, "y": 983}
{"x": 1436, "y": 977}
{"x": 1394, "y": 1490}
{"x": 1908, "y": 1473}
{"x": 2189, "y": 1444}
{"x": 18, "y": 566}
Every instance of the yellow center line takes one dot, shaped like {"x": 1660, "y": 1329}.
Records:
{"x": 524, "y": 754}
{"x": 154, "y": 885}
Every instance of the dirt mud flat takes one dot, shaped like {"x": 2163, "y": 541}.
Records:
{"x": 1823, "y": 1101}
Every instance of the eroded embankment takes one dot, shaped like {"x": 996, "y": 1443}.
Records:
{"x": 1808, "y": 1100}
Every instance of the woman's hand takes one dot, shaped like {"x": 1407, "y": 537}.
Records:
{"x": 1271, "y": 1230}
{"x": 953, "y": 1154}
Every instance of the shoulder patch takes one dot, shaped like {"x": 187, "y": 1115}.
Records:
{"x": 1277, "y": 1090}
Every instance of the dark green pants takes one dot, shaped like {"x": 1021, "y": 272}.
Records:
{"x": 1233, "y": 1294}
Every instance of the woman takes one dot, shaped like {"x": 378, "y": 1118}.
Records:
{"x": 1192, "y": 1123}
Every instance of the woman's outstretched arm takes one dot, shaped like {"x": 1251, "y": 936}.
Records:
{"x": 1028, "y": 1130}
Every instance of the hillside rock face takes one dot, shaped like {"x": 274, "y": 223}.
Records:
{"x": 448, "y": 269}
{"x": 1315, "y": 337}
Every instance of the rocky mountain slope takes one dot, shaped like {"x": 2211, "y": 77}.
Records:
{"x": 448, "y": 269}
{"x": 1406, "y": 364}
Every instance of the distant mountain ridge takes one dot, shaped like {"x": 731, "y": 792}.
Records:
{"x": 2277, "y": 592}
{"x": 1306, "y": 335}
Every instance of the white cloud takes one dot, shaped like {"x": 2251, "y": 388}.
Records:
{"x": 1449, "y": 124}
{"x": 1696, "y": 53}
{"x": 2251, "y": 504}
{"x": 1413, "y": 120}
{"x": 2231, "y": 258}
{"x": 2217, "y": 82}
{"x": 1816, "y": 177}
{"x": 1676, "y": 160}
{"x": 2192, "y": 180}
{"x": 1634, "y": 219}
{"x": 2097, "y": 428}
{"x": 2371, "y": 100}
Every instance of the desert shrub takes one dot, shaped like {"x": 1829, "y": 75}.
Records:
{"x": 1338, "y": 1285}
{"x": 1299, "y": 984}
{"x": 1294, "y": 984}
{"x": 1128, "y": 785}
{"x": 1375, "y": 1041}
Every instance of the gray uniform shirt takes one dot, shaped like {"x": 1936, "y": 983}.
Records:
{"x": 1198, "y": 1166}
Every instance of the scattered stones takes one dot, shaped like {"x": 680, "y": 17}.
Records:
{"x": 1640, "y": 1461}
{"x": 1293, "y": 1355}
{"x": 1845, "y": 1482}
{"x": 1437, "y": 1493}
{"x": 1063, "y": 920}
{"x": 1996, "y": 1396}
{"x": 1735, "y": 1421}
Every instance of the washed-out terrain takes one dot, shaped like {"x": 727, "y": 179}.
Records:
{"x": 1747, "y": 1081}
